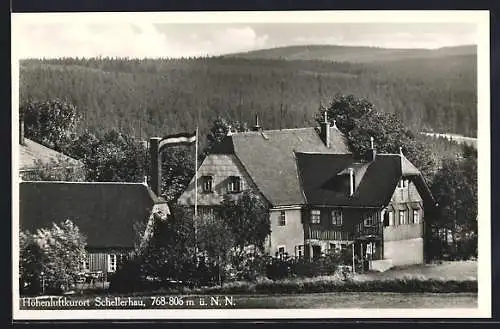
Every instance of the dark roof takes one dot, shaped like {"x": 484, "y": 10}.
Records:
{"x": 32, "y": 151}
{"x": 268, "y": 157}
{"x": 324, "y": 182}
{"x": 106, "y": 213}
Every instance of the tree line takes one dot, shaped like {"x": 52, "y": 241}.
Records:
{"x": 160, "y": 96}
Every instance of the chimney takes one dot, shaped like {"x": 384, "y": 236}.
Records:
{"x": 325, "y": 130}
{"x": 21, "y": 131}
{"x": 372, "y": 152}
{"x": 154, "y": 143}
{"x": 256, "y": 127}
{"x": 351, "y": 181}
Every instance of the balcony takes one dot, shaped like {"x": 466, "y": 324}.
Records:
{"x": 374, "y": 231}
{"x": 324, "y": 234}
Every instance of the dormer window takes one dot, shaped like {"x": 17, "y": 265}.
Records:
{"x": 207, "y": 182}
{"x": 234, "y": 185}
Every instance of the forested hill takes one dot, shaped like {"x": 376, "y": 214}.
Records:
{"x": 353, "y": 54}
{"x": 161, "y": 96}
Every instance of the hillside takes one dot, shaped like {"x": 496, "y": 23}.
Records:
{"x": 353, "y": 54}
{"x": 160, "y": 96}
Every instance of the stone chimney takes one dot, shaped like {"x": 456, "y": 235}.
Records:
{"x": 256, "y": 127}
{"x": 371, "y": 154}
{"x": 21, "y": 131}
{"x": 324, "y": 131}
{"x": 154, "y": 156}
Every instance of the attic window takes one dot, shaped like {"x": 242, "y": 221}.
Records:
{"x": 403, "y": 183}
{"x": 234, "y": 185}
{"x": 207, "y": 184}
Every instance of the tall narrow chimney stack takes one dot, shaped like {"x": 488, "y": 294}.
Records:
{"x": 154, "y": 156}
{"x": 325, "y": 130}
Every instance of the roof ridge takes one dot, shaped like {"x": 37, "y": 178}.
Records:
{"x": 269, "y": 130}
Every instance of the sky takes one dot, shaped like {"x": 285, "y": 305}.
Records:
{"x": 160, "y": 38}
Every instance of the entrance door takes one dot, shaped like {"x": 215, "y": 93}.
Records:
{"x": 316, "y": 251}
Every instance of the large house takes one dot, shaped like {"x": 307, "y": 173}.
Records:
{"x": 319, "y": 196}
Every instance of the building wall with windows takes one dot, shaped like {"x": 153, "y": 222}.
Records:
{"x": 218, "y": 175}
{"x": 287, "y": 232}
{"x": 403, "y": 226}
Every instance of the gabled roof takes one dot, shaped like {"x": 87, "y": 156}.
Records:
{"x": 323, "y": 185}
{"x": 32, "y": 151}
{"x": 268, "y": 157}
{"x": 106, "y": 213}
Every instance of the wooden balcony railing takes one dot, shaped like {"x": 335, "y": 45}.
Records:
{"x": 375, "y": 230}
{"x": 324, "y": 234}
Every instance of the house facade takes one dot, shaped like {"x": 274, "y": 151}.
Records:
{"x": 318, "y": 195}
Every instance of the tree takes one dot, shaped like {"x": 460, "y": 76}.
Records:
{"x": 49, "y": 123}
{"x": 177, "y": 171}
{"x": 220, "y": 129}
{"x": 170, "y": 253}
{"x": 215, "y": 240}
{"x": 358, "y": 120}
{"x": 51, "y": 256}
{"x": 110, "y": 157}
{"x": 247, "y": 217}
{"x": 455, "y": 190}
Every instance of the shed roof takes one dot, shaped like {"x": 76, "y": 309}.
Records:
{"x": 106, "y": 213}
{"x": 32, "y": 151}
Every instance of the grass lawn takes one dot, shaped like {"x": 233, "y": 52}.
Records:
{"x": 457, "y": 270}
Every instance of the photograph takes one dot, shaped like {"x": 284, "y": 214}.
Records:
{"x": 251, "y": 165}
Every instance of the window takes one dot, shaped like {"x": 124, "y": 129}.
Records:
{"x": 369, "y": 220}
{"x": 282, "y": 219}
{"x": 391, "y": 218}
{"x": 112, "y": 263}
{"x": 207, "y": 184}
{"x": 234, "y": 185}
{"x": 281, "y": 252}
{"x": 206, "y": 212}
{"x": 403, "y": 183}
{"x": 336, "y": 217}
{"x": 402, "y": 217}
{"x": 300, "y": 251}
{"x": 315, "y": 216}
{"x": 416, "y": 216}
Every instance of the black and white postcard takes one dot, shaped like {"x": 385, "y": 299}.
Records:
{"x": 256, "y": 165}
